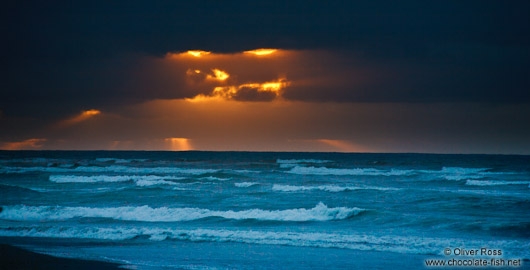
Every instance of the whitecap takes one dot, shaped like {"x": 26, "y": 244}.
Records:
{"x": 328, "y": 188}
{"x": 460, "y": 173}
{"x": 356, "y": 171}
{"x": 112, "y": 168}
{"x": 245, "y": 184}
{"x": 495, "y": 183}
{"x": 139, "y": 180}
{"x": 165, "y": 214}
{"x": 390, "y": 243}
{"x": 296, "y": 161}
{"x": 119, "y": 160}
{"x": 213, "y": 178}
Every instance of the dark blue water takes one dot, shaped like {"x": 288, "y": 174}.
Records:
{"x": 234, "y": 210}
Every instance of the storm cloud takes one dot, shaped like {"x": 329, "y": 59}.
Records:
{"x": 66, "y": 58}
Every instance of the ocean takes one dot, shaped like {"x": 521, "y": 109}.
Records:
{"x": 256, "y": 210}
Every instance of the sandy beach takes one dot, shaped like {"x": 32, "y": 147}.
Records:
{"x": 17, "y": 258}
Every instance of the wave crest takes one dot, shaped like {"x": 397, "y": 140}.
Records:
{"x": 495, "y": 183}
{"x": 245, "y": 184}
{"x": 111, "y": 168}
{"x": 392, "y": 243}
{"x": 164, "y": 214}
{"x": 295, "y": 161}
{"x": 328, "y": 188}
{"x": 356, "y": 171}
{"x": 139, "y": 180}
{"x": 107, "y": 178}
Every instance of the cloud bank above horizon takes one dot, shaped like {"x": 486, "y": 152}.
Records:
{"x": 447, "y": 77}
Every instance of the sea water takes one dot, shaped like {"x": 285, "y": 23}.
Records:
{"x": 244, "y": 210}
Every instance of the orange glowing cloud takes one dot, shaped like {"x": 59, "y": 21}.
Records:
{"x": 198, "y": 53}
{"x": 261, "y": 52}
{"x": 83, "y": 116}
{"x": 232, "y": 76}
{"x": 193, "y": 71}
{"x": 23, "y": 145}
{"x": 218, "y": 75}
{"x": 270, "y": 89}
{"x": 178, "y": 144}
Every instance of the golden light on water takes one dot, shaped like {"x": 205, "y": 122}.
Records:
{"x": 198, "y": 53}
{"x": 261, "y": 52}
{"x": 178, "y": 144}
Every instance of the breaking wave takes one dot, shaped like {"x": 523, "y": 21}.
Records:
{"x": 295, "y": 161}
{"x": 164, "y": 214}
{"x": 328, "y": 188}
{"x": 112, "y": 168}
{"x": 119, "y": 160}
{"x": 495, "y": 183}
{"x": 107, "y": 178}
{"x": 357, "y": 171}
{"x": 245, "y": 184}
{"x": 391, "y": 243}
{"x": 213, "y": 178}
{"x": 289, "y": 163}
{"x": 148, "y": 183}
{"x": 458, "y": 173}
{"x": 139, "y": 180}
{"x": 446, "y": 173}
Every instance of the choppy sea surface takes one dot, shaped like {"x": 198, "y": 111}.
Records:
{"x": 244, "y": 210}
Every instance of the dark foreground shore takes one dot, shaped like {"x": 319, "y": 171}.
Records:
{"x": 16, "y": 258}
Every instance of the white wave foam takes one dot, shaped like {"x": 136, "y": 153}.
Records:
{"x": 482, "y": 192}
{"x": 446, "y": 173}
{"x": 244, "y": 171}
{"x": 460, "y": 173}
{"x": 495, "y": 183}
{"x": 245, "y": 184}
{"x": 119, "y": 160}
{"x": 164, "y": 214}
{"x": 290, "y": 163}
{"x": 99, "y": 178}
{"x": 213, "y": 178}
{"x": 357, "y": 171}
{"x": 461, "y": 170}
{"x": 112, "y": 168}
{"x": 295, "y": 161}
{"x": 461, "y": 177}
{"x": 148, "y": 183}
{"x": 328, "y": 188}
{"x": 139, "y": 180}
{"x": 391, "y": 243}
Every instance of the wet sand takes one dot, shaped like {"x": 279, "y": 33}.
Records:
{"x": 16, "y": 258}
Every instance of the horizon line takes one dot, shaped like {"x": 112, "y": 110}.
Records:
{"x": 248, "y": 151}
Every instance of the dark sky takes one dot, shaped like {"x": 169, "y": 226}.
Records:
{"x": 466, "y": 64}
